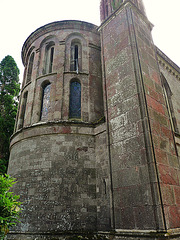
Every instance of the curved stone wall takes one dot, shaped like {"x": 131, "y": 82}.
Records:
{"x": 52, "y": 153}
{"x": 56, "y": 172}
{"x": 49, "y": 57}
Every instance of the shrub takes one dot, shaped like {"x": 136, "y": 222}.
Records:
{"x": 9, "y": 206}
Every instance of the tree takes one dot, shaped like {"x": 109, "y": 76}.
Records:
{"x": 9, "y": 90}
{"x": 9, "y": 206}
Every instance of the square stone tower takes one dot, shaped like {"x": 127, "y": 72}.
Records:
{"x": 144, "y": 164}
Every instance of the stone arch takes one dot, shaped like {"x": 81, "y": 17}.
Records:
{"x": 168, "y": 97}
{"x": 48, "y": 39}
{"x": 29, "y": 54}
{"x": 76, "y": 41}
{"x": 47, "y": 48}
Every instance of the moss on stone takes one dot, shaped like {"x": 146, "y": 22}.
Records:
{"x": 87, "y": 237}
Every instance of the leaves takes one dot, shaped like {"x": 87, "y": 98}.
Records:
{"x": 9, "y": 90}
{"x": 9, "y": 206}
{"x": 9, "y": 76}
{"x": 3, "y": 165}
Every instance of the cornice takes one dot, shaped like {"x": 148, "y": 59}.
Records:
{"x": 54, "y": 26}
{"x": 57, "y": 127}
{"x": 165, "y": 62}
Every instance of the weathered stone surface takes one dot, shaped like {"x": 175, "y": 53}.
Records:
{"x": 140, "y": 135}
{"x": 116, "y": 167}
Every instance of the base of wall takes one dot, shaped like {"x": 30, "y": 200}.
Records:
{"x": 117, "y": 235}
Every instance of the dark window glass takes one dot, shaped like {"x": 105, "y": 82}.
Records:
{"x": 45, "y": 106}
{"x": 106, "y": 10}
{"x": 51, "y": 60}
{"x": 76, "y": 58}
{"x": 106, "y": 7}
{"x": 75, "y": 100}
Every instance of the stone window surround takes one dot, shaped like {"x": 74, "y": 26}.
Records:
{"x": 23, "y": 110}
{"x": 30, "y": 67}
{"x": 76, "y": 39}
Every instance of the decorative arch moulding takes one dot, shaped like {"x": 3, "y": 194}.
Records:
{"x": 59, "y": 25}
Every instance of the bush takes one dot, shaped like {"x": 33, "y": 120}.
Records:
{"x": 3, "y": 166}
{"x": 9, "y": 206}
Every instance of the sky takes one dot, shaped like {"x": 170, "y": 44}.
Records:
{"x": 19, "y": 18}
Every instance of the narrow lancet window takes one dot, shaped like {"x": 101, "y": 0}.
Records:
{"x": 45, "y": 102}
{"x": 51, "y": 60}
{"x": 76, "y": 56}
{"x": 168, "y": 97}
{"x": 116, "y": 4}
{"x": 106, "y": 8}
{"x": 113, "y": 4}
{"x": 75, "y": 100}
{"x": 49, "y": 56}
{"x": 30, "y": 68}
{"x": 23, "y": 110}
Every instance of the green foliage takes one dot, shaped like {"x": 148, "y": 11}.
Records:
{"x": 3, "y": 166}
{"x": 9, "y": 90}
{"x": 9, "y": 206}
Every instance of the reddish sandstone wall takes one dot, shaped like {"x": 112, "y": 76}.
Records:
{"x": 144, "y": 160}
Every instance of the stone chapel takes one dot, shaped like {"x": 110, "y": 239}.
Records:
{"x": 96, "y": 143}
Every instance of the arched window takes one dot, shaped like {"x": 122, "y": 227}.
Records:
{"x": 113, "y": 4}
{"x": 106, "y": 8}
{"x": 75, "y": 100}
{"x": 168, "y": 97}
{"x": 76, "y": 56}
{"x": 116, "y": 4}
{"x": 23, "y": 110}
{"x": 49, "y": 55}
{"x": 30, "y": 68}
{"x": 45, "y": 102}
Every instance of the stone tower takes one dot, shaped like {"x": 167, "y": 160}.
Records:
{"x": 144, "y": 190}
{"x": 53, "y": 148}
{"x": 94, "y": 148}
